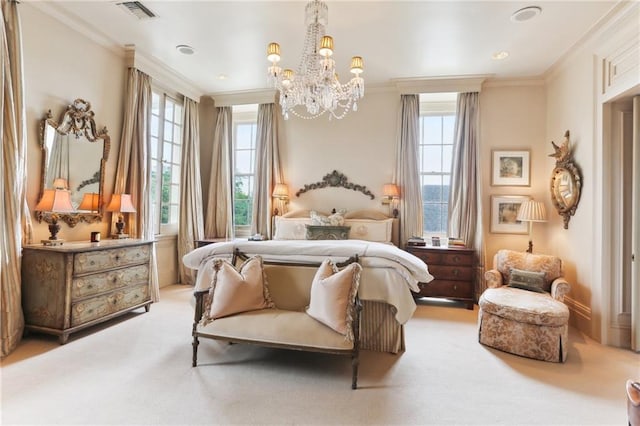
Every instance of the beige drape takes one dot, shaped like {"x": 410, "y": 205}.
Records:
{"x": 15, "y": 222}
{"x": 219, "y": 218}
{"x": 465, "y": 200}
{"x": 268, "y": 169}
{"x": 407, "y": 174}
{"x": 191, "y": 221}
{"x": 133, "y": 173}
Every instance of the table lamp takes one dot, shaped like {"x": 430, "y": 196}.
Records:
{"x": 120, "y": 203}
{"x": 54, "y": 201}
{"x": 280, "y": 193}
{"x": 531, "y": 211}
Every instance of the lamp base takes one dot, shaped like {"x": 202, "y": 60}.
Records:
{"x": 119, "y": 236}
{"x": 56, "y": 242}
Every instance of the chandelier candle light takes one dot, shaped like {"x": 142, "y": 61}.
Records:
{"x": 315, "y": 84}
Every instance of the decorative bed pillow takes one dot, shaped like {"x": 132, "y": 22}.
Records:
{"x": 234, "y": 291}
{"x": 291, "y": 228}
{"x": 527, "y": 280}
{"x": 327, "y": 232}
{"x": 333, "y": 294}
{"x": 335, "y": 219}
{"x": 370, "y": 229}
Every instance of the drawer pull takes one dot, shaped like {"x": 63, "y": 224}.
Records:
{"x": 456, "y": 258}
{"x": 117, "y": 257}
{"x": 455, "y": 272}
{"x": 455, "y": 287}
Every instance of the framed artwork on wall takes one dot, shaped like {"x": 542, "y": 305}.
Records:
{"x": 504, "y": 211}
{"x": 510, "y": 168}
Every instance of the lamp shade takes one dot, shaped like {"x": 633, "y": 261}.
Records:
{"x": 55, "y": 200}
{"x": 121, "y": 203}
{"x": 90, "y": 201}
{"x": 281, "y": 191}
{"x": 391, "y": 190}
{"x": 532, "y": 211}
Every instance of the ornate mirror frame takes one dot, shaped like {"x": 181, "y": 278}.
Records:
{"x": 566, "y": 181}
{"x": 77, "y": 120}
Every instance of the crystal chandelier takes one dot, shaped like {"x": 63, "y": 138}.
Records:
{"x": 315, "y": 83}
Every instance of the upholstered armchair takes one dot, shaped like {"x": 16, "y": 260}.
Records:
{"x": 522, "y": 310}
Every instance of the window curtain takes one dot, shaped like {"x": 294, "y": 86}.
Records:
{"x": 191, "y": 221}
{"x": 219, "y": 219}
{"x": 407, "y": 175}
{"x": 268, "y": 170}
{"x": 15, "y": 222}
{"x": 133, "y": 172}
{"x": 465, "y": 200}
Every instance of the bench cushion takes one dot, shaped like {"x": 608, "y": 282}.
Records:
{"x": 278, "y": 327}
{"x": 524, "y": 306}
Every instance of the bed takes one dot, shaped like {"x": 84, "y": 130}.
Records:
{"x": 389, "y": 275}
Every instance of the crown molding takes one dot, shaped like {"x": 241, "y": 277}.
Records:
{"x": 263, "y": 96}
{"x": 164, "y": 75}
{"x": 460, "y": 84}
{"x": 515, "y": 82}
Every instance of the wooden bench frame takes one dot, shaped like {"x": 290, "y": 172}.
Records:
{"x": 354, "y": 352}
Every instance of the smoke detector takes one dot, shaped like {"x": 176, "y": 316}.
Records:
{"x": 526, "y": 13}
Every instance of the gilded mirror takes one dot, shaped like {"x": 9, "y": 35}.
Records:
{"x": 566, "y": 181}
{"x": 74, "y": 154}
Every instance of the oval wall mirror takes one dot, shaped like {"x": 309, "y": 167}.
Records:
{"x": 566, "y": 181}
{"x": 74, "y": 154}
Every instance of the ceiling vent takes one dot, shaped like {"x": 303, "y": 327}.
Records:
{"x": 137, "y": 9}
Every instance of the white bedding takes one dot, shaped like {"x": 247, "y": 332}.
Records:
{"x": 388, "y": 272}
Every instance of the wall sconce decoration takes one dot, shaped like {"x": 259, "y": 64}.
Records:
{"x": 54, "y": 201}
{"x": 281, "y": 194}
{"x": 120, "y": 203}
{"x": 531, "y": 211}
{"x": 90, "y": 202}
{"x": 391, "y": 196}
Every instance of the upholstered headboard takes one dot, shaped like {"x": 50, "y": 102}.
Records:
{"x": 367, "y": 225}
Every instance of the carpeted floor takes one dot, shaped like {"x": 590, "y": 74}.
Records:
{"x": 137, "y": 370}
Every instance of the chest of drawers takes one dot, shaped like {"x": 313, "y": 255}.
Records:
{"x": 453, "y": 270}
{"x": 76, "y": 285}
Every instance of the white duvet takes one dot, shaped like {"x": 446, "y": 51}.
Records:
{"x": 388, "y": 272}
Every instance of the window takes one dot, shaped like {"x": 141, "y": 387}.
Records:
{"x": 166, "y": 139}
{"x": 245, "y": 123}
{"x": 437, "y": 123}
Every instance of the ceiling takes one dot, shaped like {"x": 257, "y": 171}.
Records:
{"x": 397, "y": 39}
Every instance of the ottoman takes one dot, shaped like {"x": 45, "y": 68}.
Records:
{"x": 522, "y": 322}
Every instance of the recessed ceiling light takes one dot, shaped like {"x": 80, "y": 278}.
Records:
{"x": 500, "y": 55}
{"x": 526, "y": 13}
{"x": 222, "y": 77}
{"x": 185, "y": 49}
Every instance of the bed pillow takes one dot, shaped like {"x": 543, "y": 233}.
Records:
{"x": 291, "y": 228}
{"x": 237, "y": 290}
{"x": 332, "y": 295}
{"x": 327, "y": 232}
{"x": 335, "y": 219}
{"x": 370, "y": 229}
{"x": 527, "y": 280}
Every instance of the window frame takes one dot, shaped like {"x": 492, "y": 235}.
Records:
{"x": 242, "y": 115}
{"x": 436, "y": 108}
{"x": 158, "y": 161}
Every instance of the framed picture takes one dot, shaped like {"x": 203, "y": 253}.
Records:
{"x": 504, "y": 210}
{"x": 510, "y": 168}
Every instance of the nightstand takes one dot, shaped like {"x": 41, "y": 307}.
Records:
{"x": 453, "y": 269}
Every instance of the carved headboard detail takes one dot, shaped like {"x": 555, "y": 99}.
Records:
{"x": 335, "y": 179}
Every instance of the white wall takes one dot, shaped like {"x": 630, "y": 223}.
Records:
{"x": 62, "y": 65}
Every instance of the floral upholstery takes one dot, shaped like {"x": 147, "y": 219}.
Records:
{"x": 522, "y": 322}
